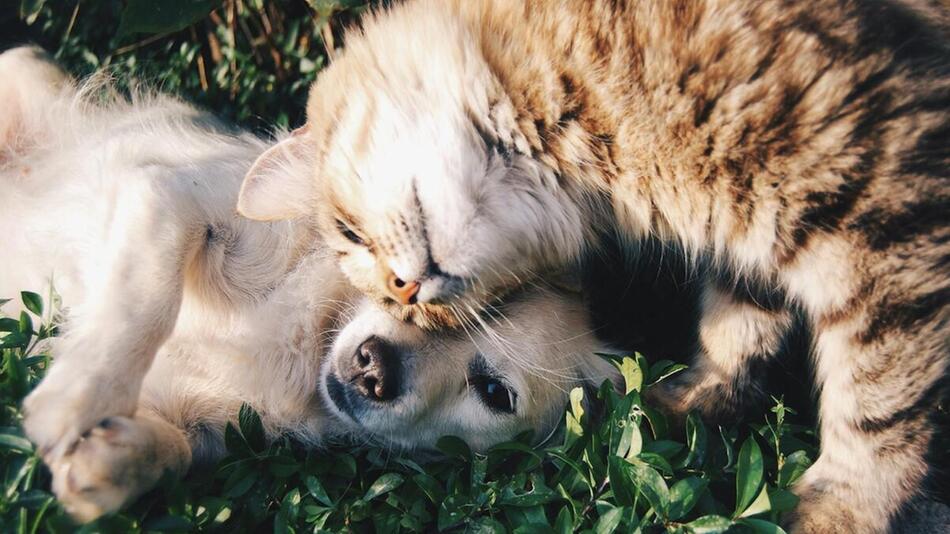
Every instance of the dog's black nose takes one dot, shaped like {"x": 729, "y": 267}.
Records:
{"x": 375, "y": 370}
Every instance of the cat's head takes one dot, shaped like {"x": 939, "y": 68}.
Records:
{"x": 419, "y": 178}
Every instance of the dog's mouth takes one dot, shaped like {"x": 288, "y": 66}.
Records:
{"x": 336, "y": 392}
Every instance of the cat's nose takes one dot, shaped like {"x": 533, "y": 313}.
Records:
{"x": 375, "y": 370}
{"x": 402, "y": 291}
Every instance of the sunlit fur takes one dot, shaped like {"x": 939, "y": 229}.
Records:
{"x": 796, "y": 146}
{"x": 177, "y": 311}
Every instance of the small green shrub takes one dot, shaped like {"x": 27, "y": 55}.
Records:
{"x": 623, "y": 471}
{"x": 250, "y": 61}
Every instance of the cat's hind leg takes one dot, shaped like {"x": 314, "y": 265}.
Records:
{"x": 738, "y": 335}
{"x": 883, "y": 373}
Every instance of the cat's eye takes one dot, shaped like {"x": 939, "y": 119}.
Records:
{"x": 348, "y": 233}
{"x": 494, "y": 393}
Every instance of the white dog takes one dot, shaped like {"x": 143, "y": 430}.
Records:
{"x": 178, "y": 311}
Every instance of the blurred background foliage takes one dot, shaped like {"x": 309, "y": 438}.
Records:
{"x": 250, "y": 61}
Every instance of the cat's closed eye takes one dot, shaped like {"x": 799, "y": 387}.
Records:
{"x": 349, "y": 234}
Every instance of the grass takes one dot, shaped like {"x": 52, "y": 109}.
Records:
{"x": 624, "y": 470}
{"x": 251, "y": 62}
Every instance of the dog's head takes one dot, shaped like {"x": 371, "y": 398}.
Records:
{"x": 395, "y": 384}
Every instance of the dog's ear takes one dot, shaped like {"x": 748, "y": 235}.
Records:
{"x": 279, "y": 184}
{"x": 30, "y": 81}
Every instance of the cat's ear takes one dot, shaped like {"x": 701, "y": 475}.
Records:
{"x": 279, "y": 184}
{"x": 30, "y": 81}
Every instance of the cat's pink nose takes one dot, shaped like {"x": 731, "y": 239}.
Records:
{"x": 403, "y": 292}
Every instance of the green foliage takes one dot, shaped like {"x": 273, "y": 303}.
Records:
{"x": 247, "y": 60}
{"x": 623, "y": 471}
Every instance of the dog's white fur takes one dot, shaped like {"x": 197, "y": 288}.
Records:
{"x": 178, "y": 311}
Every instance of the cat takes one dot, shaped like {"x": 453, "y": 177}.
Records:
{"x": 177, "y": 311}
{"x": 464, "y": 148}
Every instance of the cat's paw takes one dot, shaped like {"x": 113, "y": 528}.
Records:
{"x": 669, "y": 399}
{"x": 821, "y": 512}
{"x": 108, "y": 467}
{"x": 710, "y": 396}
{"x": 69, "y": 402}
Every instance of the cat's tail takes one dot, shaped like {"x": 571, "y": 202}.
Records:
{"x": 31, "y": 83}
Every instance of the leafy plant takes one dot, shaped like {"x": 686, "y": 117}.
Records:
{"x": 250, "y": 61}
{"x": 623, "y": 471}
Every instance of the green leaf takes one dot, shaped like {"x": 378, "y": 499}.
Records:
{"x": 664, "y": 447}
{"x": 251, "y": 427}
{"x": 169, "y": 523}
{"x": 564, "y": 524}
{"x": 430, "y": 486}
{"x": 632, "y": 375}
{"x": 624, "y": 426}
{"x": 26, "y": 324}
{"x": 696, "y": 440}
{"x": 451, "y": 511}
{"x": 17, "y": 379}
{"x": 782, "y": 500}
{"x": 9, "y": 324}
{"x": 793, "y": 468}
{"x": 761, "y": 526}
{"x": 29, "y": 10}
{"x": 319, "y": 493}
{"x": 650, "y": 484}
{"x": 455, "y": 447}
{"x": 537, "y": 494}
{"x": 760, "y": 505}
{"x": 18, "y": 443}
{"x": 709, "y": 524}
{"x": 13, "y": 340}
{"x": 749, "y": 471}
{"x": 383, "y": 485}
{"x": 239, "y": 483}
{"x": 235, "y": 442}
{"x": 149, "y": 16}
{"x": 343, "y": 465}
{"x": 33, "y": 302}
{"x": 684, "y": 495}
{"x": 658, "y": 424}
{"x": 621, "y": 481}
{"x": 608, "y": 521}
{"x": 664, "y": 369}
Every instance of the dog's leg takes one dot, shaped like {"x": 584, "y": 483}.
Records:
{"x": 117, "y": 461}
{"x": 131, "y": 308}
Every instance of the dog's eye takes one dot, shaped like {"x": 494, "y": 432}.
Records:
{"x": 348, "y": 233}
{"x": 494, "y": 393}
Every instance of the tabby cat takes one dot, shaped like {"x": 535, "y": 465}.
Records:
{"x": 464, "y": 148}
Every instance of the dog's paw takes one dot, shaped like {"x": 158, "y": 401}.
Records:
{"x": 109, "y": 466}
{"x": 67, "y": 403}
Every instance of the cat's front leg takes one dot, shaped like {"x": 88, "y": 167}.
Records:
{"x": 117, "y": 461}
{"x": 736, "y": 335}
{"x": 112, "y": 336}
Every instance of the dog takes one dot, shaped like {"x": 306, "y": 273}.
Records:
{"x": 177, "y": 311}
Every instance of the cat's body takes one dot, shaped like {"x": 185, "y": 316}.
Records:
{"x": 463, "y": 148}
